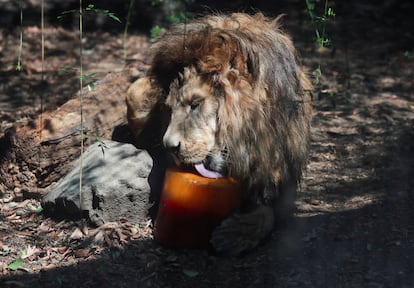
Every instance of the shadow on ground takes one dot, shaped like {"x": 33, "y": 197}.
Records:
{"x": 365, "y": 245}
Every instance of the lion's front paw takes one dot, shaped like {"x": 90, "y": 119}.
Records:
{"x": 243, "y": 231}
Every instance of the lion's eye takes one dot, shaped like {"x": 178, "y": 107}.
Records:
{"x": 194, "y": 105}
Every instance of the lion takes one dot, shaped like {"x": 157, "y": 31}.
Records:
{"x": 239, "y": 105}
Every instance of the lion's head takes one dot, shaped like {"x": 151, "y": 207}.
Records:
{"x": 191, "y": 136}
{"x": 238, "y": 100}
{"x": 219, "y": 123}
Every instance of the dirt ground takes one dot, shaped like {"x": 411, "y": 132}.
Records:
{"x": 354, "y": 224}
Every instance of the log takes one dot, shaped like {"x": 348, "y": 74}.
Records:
{"x": 37, "y": 153}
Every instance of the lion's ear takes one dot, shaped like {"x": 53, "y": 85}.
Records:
{"x": 243, "y": 62}
{"x": 141, "y": 98}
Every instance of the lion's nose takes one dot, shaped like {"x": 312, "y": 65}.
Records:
{"x": 172, "y": 146}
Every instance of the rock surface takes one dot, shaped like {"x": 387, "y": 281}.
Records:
{"x": 114, "y": 185}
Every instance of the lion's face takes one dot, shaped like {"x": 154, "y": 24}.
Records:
{"x": 191, "y": 134}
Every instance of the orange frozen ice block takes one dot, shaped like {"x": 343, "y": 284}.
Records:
{"x": 191, "y": 206}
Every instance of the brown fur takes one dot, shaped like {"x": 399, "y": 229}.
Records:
{"x": 238, "y": 96}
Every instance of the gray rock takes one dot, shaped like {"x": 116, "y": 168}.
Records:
{"x": 114, "y": 185}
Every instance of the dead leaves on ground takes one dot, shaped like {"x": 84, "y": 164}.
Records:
{"x": 29, "y": 242}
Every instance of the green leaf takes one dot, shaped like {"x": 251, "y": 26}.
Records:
{"x": 174, "y": 19}
{"x": 318, "y": 74}
{"x": 190, "y": 273}
{"x": 87, "y": 52}
{"x": 16, "y": 264}
{"x": 157, "y": 2}
{"x": 156, "y": 30}
{"x": 20, "y": 212}
{"x": 39, "y": 209}
{"x": 311, "y": 6}
{"x": 64, "y": 13}
{"x": 114, "y": 17}
{"x": 408, "y": 54}
{"x": 91, "y": 86}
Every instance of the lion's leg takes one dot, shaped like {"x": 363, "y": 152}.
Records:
{"x": 282, "y": 195}
{"x": 244, "y": 231}
{"x": 141, "y": 98}
{"x": 284, "y": 206}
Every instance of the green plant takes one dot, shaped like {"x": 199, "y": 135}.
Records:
{"x": 319, "y": 22}
{"x": 19, "y": 53}
{"x": 84, "y": 80}
{"x": 81, "y": 103}
{"x": 408, "y": 54}
{"x": 88, "y": 79}
{"x": 176, "y": 12}
{"x": 16, "y": 264}
{"x": 127, "y": 23}
{"x": 90, "y": 8}
{"x": 156, "y": 30}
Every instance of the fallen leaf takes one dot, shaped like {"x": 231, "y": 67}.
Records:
{"x": 134, "y": 231}
{"x": 99, "y": 237}
{"x": 190, "y": 273}
{"x": 62, "y": 249}
{"x": 43, "y": 228}
{"x": 82, "y": 253}
{"x": 49, "y": 266}
{"x": 109, "y": 225}
{"x": 5, "y": 249}
{"x": 16, "y": 264}
{"x": 30, "y": 251}
{"x": 29, "y": 224}
{"x": 76, "y": 235}
{"x": 85, "y": 230}
{"x": 122, "y": 237}
{"x": 12, "y": 205}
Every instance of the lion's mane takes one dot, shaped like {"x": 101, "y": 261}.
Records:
{"x": 265, "y": 109}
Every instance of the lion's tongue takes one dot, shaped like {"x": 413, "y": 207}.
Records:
{"x": 203, "y": 171}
